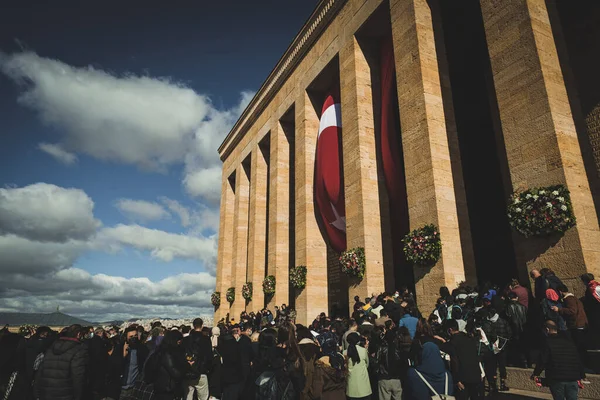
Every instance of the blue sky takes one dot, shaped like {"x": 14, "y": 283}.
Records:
{"x": 111, "y": 116}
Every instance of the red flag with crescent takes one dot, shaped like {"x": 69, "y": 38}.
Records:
{"x": 329, "y": 187}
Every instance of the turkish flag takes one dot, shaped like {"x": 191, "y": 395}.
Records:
{"x": 329, "y": 188}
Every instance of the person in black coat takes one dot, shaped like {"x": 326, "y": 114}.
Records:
{"x": 393, "y": 309}
{"x": 560, "y": 360}
{"x": 199, "y": 349}
{"x": 173, "y": 368}
{"x": 516, "y": 314}
{"x": 112, "y": 375}
{"x": 499, "y": 334}
{"x": 62, "y": 375}
{"x": 36, "y": 345}
{"x": 280, "y": 360}
{"x": 12, "y": 364}
{"x": 232, "y": 379}
{"x": 464, "y": 362}
{"x": 98, "y": 348}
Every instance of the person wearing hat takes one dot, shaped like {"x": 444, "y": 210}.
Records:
{"x": 551, "y": 309}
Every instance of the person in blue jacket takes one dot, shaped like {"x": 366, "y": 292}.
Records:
{"x": 409, "y": 320}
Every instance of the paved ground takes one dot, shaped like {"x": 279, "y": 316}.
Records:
{"x": 519, "y": 395}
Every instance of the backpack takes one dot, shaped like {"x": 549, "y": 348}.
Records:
{"x": 268, "y": 388}
{"x": 151, "y": 367}
{"x": 308, "y": 367}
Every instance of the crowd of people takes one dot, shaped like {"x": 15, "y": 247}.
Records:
{"x": 387, "y": 349}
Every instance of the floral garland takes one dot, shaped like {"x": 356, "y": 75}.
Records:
{"x": 215, "y": 299}
{"x": 269, "y": 285}
{"x": 353, "y": 262}
{"x": 298, "y": 277}
{"x": 541, "y": 211}
{"x": 423, "y": 245}
{"x": 247, "y": 291}
{"x": 230, "y": 296}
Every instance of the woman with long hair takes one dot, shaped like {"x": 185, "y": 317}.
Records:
{"x": 424, "y": 334}
{"x": 173, "y": 368}
{"x": 277, "y": 366}
{"x": 359, "y": 385}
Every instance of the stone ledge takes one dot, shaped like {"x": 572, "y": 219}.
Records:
{"x": 518, "y": 379}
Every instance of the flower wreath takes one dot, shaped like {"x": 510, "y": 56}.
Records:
{"x": 541, "y": 211}
{"x": 353, "y": 262}
{"x": 230, "y": 296}
{"x": 269, "y": 285}
{"x": 247, "y": 291}
{"x": 423, "y": 245}
{"x": 298, "y": 277}
{"x": 215, "y": 299}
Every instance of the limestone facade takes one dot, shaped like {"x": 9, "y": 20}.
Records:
{"x": 268, "y": 221}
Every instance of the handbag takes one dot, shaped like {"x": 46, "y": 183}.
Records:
{"x": 437, "y": 396}
{"x": 142, "y": 390}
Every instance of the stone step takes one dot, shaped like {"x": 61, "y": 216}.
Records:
{"x": 520, "y": 384}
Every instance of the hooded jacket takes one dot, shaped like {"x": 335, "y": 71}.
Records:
{"x": 329, "y": 383}
{"x": 62, "y": 374}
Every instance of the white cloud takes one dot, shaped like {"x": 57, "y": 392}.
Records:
{"x": 56, "y": 151}
{"x": 205, "y": 183}
{"x": 148, "y": 122}
{"x": 141, "y": 210}
{"x": 131, "y": 119}
{"x": 164, "y": 245}
{"x": 32, "y": 257}
{"x": 45, "y": 229}
{"x": 178, "y": 209}
{"x": 198, "y": 219}
{"x": 47, "y": 212}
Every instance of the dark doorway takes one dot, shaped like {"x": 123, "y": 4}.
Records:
{"x": 483, "y": 157}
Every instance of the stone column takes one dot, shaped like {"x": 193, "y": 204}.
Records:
{"x": 279, "y": 213}
{"x": 225, "y": 253}
{"x": 310, "y": 246}
{"x": 240, "y": 241}
{"x": 539, "y": 133}
{"x": 257, "y": 233}
{"x": 429, "y": 180}
{"x": 363, "y": 222}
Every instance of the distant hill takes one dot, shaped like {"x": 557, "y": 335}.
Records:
{"x": 39, "y": 319}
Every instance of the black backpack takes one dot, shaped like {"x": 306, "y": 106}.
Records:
{"x": 269, "y": 388}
